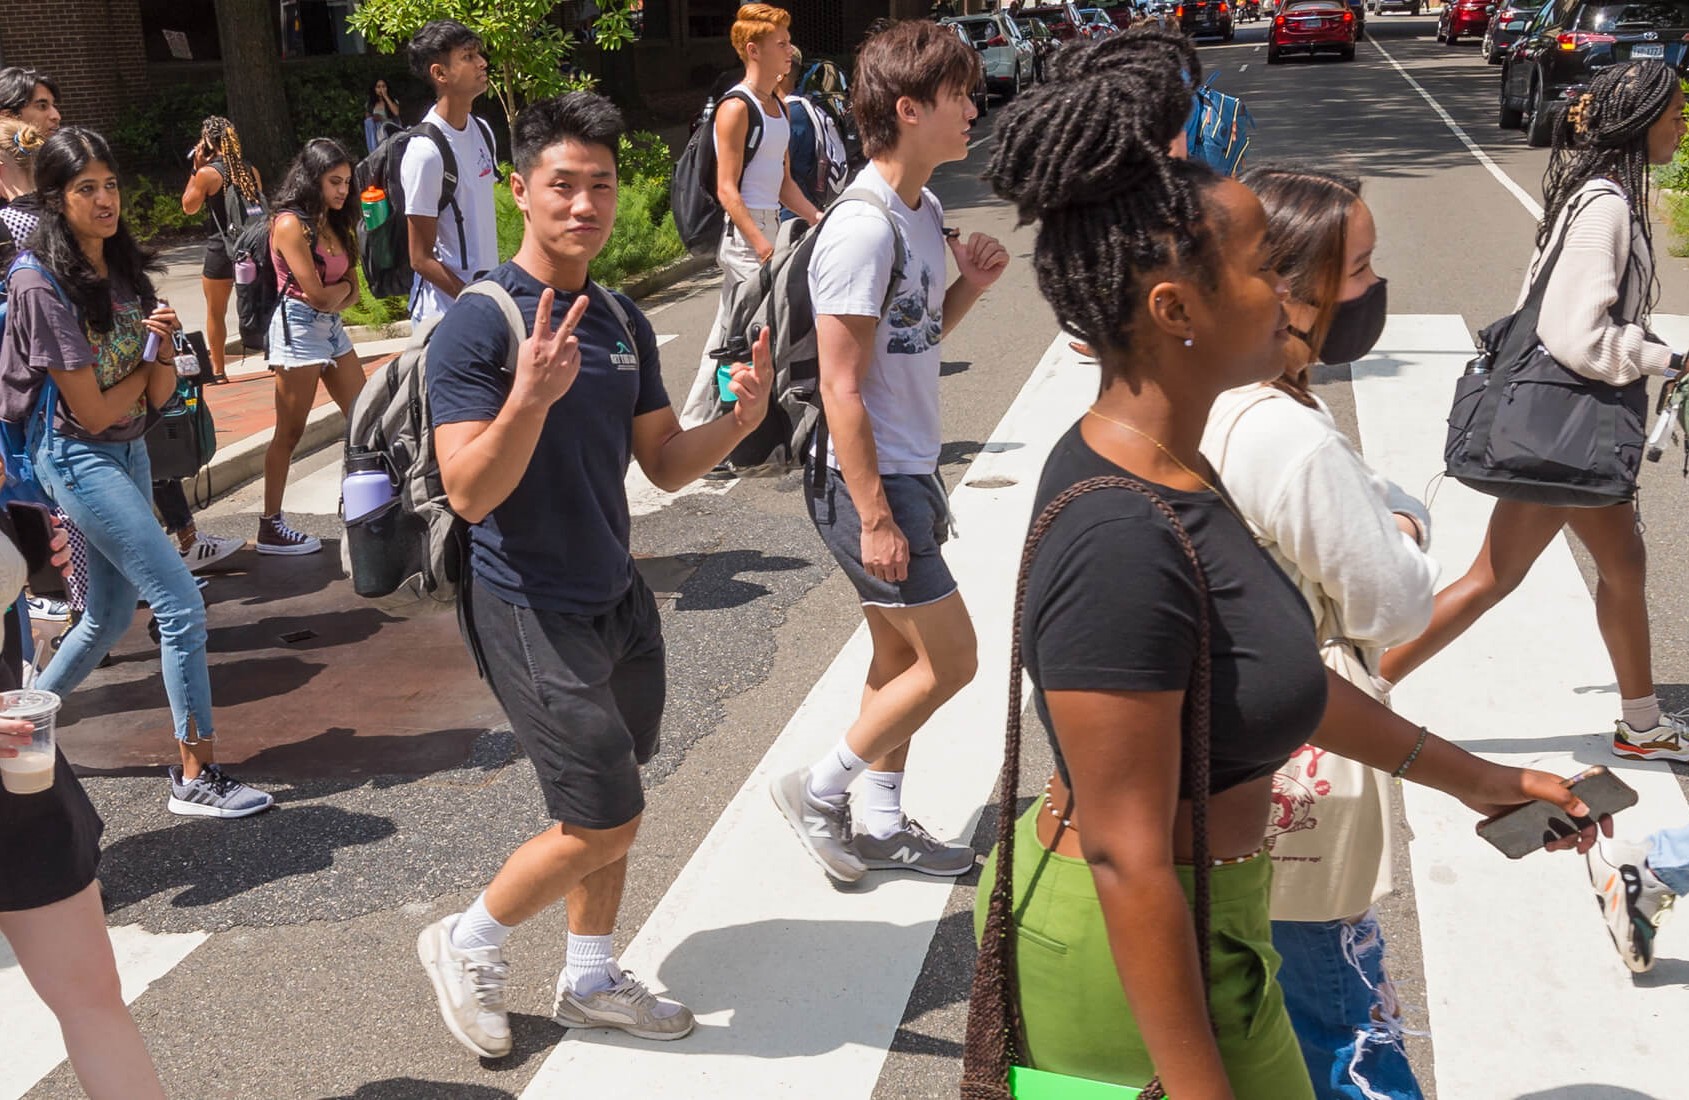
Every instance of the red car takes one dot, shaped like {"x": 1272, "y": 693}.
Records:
{"x": 1312, "y": 26}
{"x": 1462, "y": 17}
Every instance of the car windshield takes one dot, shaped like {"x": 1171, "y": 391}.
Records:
{"x": 1611, "y": 17}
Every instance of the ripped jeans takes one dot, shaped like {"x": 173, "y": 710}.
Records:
{"x": 1344, "y": 1008}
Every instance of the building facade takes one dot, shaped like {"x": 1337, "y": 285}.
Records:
{"x": 93, "y": 50}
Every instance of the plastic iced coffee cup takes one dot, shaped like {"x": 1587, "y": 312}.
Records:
{"x": 31, "y": 771}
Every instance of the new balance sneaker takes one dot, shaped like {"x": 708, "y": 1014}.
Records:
{"x": 470, "y": 988}
{"x": 1633, "y": 900}
{"x": 43, "y": 610}
{"x": 1664, "y": 742}
{"x": 207, "y": 550}
{"x": 821, "y": 824}
{"x": 914, "y": 849}
{"x": 276, "y": 537}
{"x": 627, "y": 1006}
{"x": 215, "y": 793}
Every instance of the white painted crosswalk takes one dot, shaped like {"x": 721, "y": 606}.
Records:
{"x": 1518, "y": 969}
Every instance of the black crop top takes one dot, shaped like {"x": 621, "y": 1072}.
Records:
{"x": 1111, "y": 605}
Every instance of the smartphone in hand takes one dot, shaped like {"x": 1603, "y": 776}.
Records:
{"x": 1523, "y": 829}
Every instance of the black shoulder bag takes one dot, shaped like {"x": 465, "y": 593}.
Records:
{"x": 1525, "y": 428}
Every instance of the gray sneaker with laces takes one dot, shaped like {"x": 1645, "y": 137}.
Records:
{"x": 214, "y": 793}
{"x": 912, "y": 848}
{"x": 822, "y": 825}
{"x": 470, "y": 988}
{"x": 627, "y": 1006}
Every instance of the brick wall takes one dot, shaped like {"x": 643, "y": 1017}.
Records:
{"x": 91, "y": 48}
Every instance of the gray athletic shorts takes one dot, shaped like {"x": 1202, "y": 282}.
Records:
{"x": 584, "y": 694}
{"x": 921, "y": 511}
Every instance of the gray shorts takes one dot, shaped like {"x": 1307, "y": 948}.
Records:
{"x": 921, "y": 511}
{"x": 584, "y": 694}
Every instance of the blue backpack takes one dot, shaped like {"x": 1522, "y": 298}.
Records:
{"x": 17, "y": 436}
{"x": 1218, "y": 131}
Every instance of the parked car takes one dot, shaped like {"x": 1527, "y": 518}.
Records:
{"x": 1044, "y": 43}
{"x": 982, "y": 92}
{"x": 1507, "y": 23}
{"x": 1564, "y": 46}
{"x": 1097, "y": 23}
{"x": 1379, "y": 7}
{"x": 1462, "y": 18}
{"x": 1002, "y": 46}
{"x": 1310, "y": 27}
{"x": 1359, "y": 8}
{"x": 1211, "y": 18}
{"x": 1063, "y": 20}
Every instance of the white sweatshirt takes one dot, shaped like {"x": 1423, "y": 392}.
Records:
{"x": 1577, "y": 325}
{"x": 1326, "y": 517}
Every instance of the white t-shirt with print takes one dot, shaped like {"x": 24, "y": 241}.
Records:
{"x": 848, "y": 274}
{"x": 421, "y": 172}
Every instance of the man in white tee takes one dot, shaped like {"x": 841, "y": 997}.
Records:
{"x": 452, "y": 228}
{"x": 751, "y": 189}
{"x": 883, "y": 511}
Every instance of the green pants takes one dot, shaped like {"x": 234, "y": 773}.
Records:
{"x": 1073, "y": 1007}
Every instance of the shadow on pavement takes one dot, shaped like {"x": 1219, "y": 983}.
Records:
{"x": 715, "y": 584}
{"x": 409, "y": 1088}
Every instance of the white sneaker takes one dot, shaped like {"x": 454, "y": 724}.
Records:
{"x": 1665, "y": 741}
{"x": 627, "y": 1006}
{"x": 1634, "y": 902}
{"x": 469, "y": 986}
{"x": 207, "y": 550}
{"x": 44, "y": 610}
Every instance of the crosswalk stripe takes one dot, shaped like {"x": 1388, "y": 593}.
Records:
{"x": 796, "y": 982}
{"x": 1510, "y": 947}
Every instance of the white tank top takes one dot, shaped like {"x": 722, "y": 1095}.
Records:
{"x": 765, "y": 170}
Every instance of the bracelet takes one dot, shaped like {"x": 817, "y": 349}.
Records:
{"x": 1412, "y": 756}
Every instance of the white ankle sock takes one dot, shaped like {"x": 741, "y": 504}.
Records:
{"x": 881, "y": 806}
{"x": 589, "y": 965}
{"x": 478, "y": 928}
{"x": 832, "y": 774}
{"x": 1641, "y": 714}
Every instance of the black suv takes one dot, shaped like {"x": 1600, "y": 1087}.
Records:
{"x": 1567, "y": 44}
{"x": 1205, "y": 17}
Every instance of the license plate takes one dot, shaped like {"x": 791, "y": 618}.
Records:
{"x": 1647, "y": 49}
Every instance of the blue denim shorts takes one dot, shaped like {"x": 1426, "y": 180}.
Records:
{"x": 921, "y": 511}
{"x": 301, "y": 336}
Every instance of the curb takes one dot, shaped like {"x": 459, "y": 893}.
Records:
{"x": 243, "y": 460}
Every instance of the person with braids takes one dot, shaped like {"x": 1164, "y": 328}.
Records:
{"x": 76, "y": 333}
{"x": 219, "y": 163}
{"x": 1355, "y": 545}
{"x": 1165, "y": 270}
{"x": 1594, "y": 321}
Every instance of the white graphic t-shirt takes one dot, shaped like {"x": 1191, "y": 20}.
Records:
{"x": 421, "y": 172}
{"x": 848, "y": 274}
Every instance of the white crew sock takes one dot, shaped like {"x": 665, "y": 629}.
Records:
{"x": 589, "y": 966}
{"x": 833, "y": 773}
{"x": 478, "y": 928}
{"x": 882, "y": 804}
{"x": 1641, "y": 714}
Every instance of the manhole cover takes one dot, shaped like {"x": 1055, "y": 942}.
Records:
{"x": 998, "y": 482}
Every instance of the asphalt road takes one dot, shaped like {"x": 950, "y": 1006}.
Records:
{"x": 309, "y": 986}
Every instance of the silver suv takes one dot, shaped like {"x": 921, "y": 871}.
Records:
{"x": 1003, "y": 47}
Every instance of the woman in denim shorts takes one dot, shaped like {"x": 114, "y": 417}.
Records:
{"x": 312, "y": 244}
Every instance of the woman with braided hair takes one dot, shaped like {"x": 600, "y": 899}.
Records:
{"x": 1594, "y": 321}
{"x": 219, "y": 163}
{"x": 1165, "y": 269}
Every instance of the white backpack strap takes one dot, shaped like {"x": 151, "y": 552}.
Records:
{"x": 486, "y": 288}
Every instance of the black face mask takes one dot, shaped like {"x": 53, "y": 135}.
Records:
{"x": 1355, "y": 326}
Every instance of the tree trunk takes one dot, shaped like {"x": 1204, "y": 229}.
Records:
{"x": 252, "y": 73}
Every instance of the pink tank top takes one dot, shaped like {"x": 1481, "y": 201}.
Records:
{"x": 332, "y": 268}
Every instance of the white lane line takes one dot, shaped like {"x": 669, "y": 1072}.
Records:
{"x": 795, "y": 982}
{"x": 32, "y": 1041}
{"x": 1530, "y": 683}
{"x": 665, "y": 337}
{"x": 977, "y": 142}
{"x": 1243, "y": 68}
{"x": 1483, "y": 158}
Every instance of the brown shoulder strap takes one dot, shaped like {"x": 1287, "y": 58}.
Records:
{"x": 994, "y": 1033}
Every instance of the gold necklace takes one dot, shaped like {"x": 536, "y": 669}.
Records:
{"x": 1204, "y": 482}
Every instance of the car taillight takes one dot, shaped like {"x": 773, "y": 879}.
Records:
{"x": 1223, "y": 9}
{"x": 1278, "y": 21}
{"x": 1348, "y": 17}
{"x": 1580, "y": 40}
{"x": 1179, "y": 12}
{"x": 996, "y": 40}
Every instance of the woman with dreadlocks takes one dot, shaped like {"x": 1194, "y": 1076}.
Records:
{"x": 1137, "y": 911}
{"x": 1595, "y": 312}
{"x": 218, "y": 163}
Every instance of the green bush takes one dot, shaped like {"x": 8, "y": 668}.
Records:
{"x": 644, "y": 238}
{"x": 1677, "y": 222}
{"x": 377, "y": 312}
{"x": 152, "y": 208}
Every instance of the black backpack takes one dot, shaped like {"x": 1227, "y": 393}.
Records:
{"x": 697, "y": 211}
{"x": 237, "y": 212}
{"x": 255, "y": 302}
{"x": 386, "y": 249}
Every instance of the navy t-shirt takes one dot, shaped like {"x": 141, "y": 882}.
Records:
{"x": 559, "y": 542}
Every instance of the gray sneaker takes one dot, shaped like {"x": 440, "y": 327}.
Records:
{"x": 470, "y": 988}
{"x": 627, "y": 1006}
{"x": 823, "y": 826}
{"x": 214, "y": 793}
{"x": 914, "y": 849}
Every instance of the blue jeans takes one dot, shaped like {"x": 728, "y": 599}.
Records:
{"x": 1344, "y": 1009}
{"x": 1668, "y": 858}
{"x": 106, "y": 490}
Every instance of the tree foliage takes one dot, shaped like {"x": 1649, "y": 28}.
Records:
{"x": 527, "y": 49}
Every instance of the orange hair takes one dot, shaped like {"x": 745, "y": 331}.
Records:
{"x": 755, "y": 22}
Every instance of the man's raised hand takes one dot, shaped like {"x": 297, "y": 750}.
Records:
{"x": 550, "y": 359}
{"x": 753, "y": 384}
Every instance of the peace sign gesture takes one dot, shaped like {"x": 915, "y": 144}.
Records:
{"x": 550, "y": 359}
